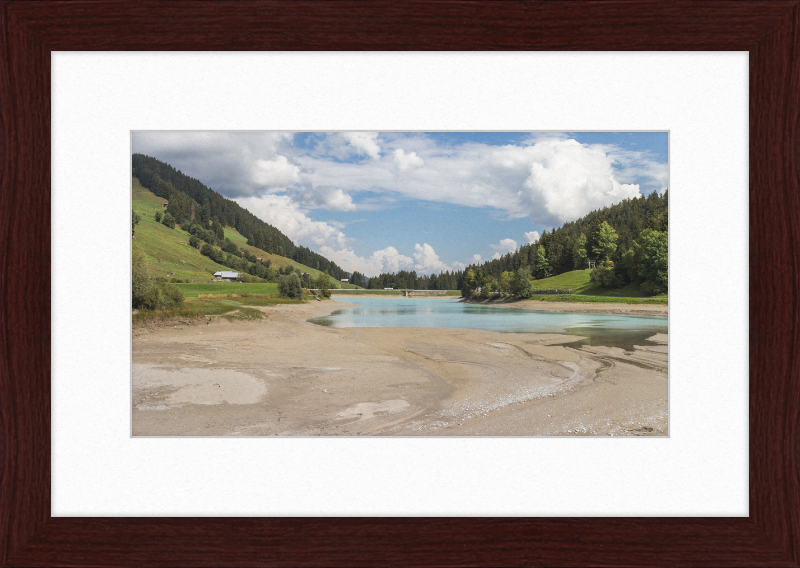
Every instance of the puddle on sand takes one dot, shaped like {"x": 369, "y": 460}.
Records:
{"x": 610, "y": 337}
{"x": 367, "y": 410}
{"x": 193, "y": 386}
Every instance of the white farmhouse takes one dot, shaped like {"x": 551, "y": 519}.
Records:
{"x": 225, "y": 276}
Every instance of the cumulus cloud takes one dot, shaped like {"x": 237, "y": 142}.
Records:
{"x": 476, "y": 258}
{"x": 326, "y": 197}
{"x": 363, "y": 143}
{"x": 275, "y": 173}
{"x": 531, "y": 237}
{"x": 224, "y": 161}
{"x": 386, "y": 260}
{"x": 424, "y": 261}
{"x": 427, "y": 261}
{"x": 407, "y": 161}
{"x": 504, "y": 246}
{"x": 282, "y": 212}
{"x": 568, "y": 180}
{"x": 550, "y": 179}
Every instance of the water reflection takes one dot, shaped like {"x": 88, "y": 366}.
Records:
{"x": 596, "y": 329}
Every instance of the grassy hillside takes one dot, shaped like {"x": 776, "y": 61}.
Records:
{"x": 170, "y": 255}
{"x": 278, "y": 261}
{"x": 166, "y": 255}
{"x": 578, "y": 280}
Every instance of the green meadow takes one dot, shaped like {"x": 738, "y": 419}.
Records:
{"x": 578, "y": 281}
{"x": 195, "y": 290}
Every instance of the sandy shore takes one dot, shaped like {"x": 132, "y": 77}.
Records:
{"x": 649, "y": 310}
{"x": 285, "y": 376}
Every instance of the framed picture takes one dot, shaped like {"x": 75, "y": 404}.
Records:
{"x": 31, "y": 536}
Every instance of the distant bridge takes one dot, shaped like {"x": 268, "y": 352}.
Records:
{"x": 406, "y": 291}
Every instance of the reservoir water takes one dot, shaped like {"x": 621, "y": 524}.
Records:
{"x": 596, "y": 329}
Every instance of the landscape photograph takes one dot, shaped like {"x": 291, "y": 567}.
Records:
{"x": 399, "y": 283}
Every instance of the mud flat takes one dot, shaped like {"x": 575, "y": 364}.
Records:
{"x": 284, "y": 376}
{"x": 647, "y": 310}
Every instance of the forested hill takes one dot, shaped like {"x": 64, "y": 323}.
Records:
{"x": 191, "y": 199}
{"x": 567, "y": 248}
{"x": 562, "y": 246}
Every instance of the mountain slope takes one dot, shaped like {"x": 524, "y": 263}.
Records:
{"x": 168, "y": 251}
{"x": 190, "y": 198}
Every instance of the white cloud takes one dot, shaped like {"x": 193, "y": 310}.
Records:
{"x": 275, "y": 173}
{"x": 504, "y": 246}
{"x": 549, "y": 177}
{"x": 224, "y": 161}
{"x": 407, "y": 161}
{"x": 550, "y": 180}
{"x": 386, "y": 260}
{"x": 427, "y": 261}
{"x": 363, "y": 143}
{"x": 633, "y": 165}
{"x": 532, "y": 237}
{"x": 282, "y": 212}
{"x": 568, "y": 180}
{"x": 327, "y": 197}
{"x": 476, "y": 258}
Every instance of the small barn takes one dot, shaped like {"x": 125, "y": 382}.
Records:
{"x": 345, "y": 280}
{"x": 225, "y": 276}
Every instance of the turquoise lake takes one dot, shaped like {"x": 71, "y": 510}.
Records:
{"x": 597, "y": 329}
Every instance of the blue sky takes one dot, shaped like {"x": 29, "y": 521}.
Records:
{"x": 425, "y": 201}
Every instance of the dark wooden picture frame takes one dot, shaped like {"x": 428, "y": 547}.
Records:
{"x": 769, "y": 30}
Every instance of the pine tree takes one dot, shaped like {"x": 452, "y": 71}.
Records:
{"x": 542, "y": 269}
{"x": 580, "y": 257}
{"x": 606, "y": 239}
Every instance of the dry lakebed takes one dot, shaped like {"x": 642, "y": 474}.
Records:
{"x": 286, "y": 376}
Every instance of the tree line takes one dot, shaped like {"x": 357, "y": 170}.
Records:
{"x": 191, "y": 200}
{"x": 410, "y": 280}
